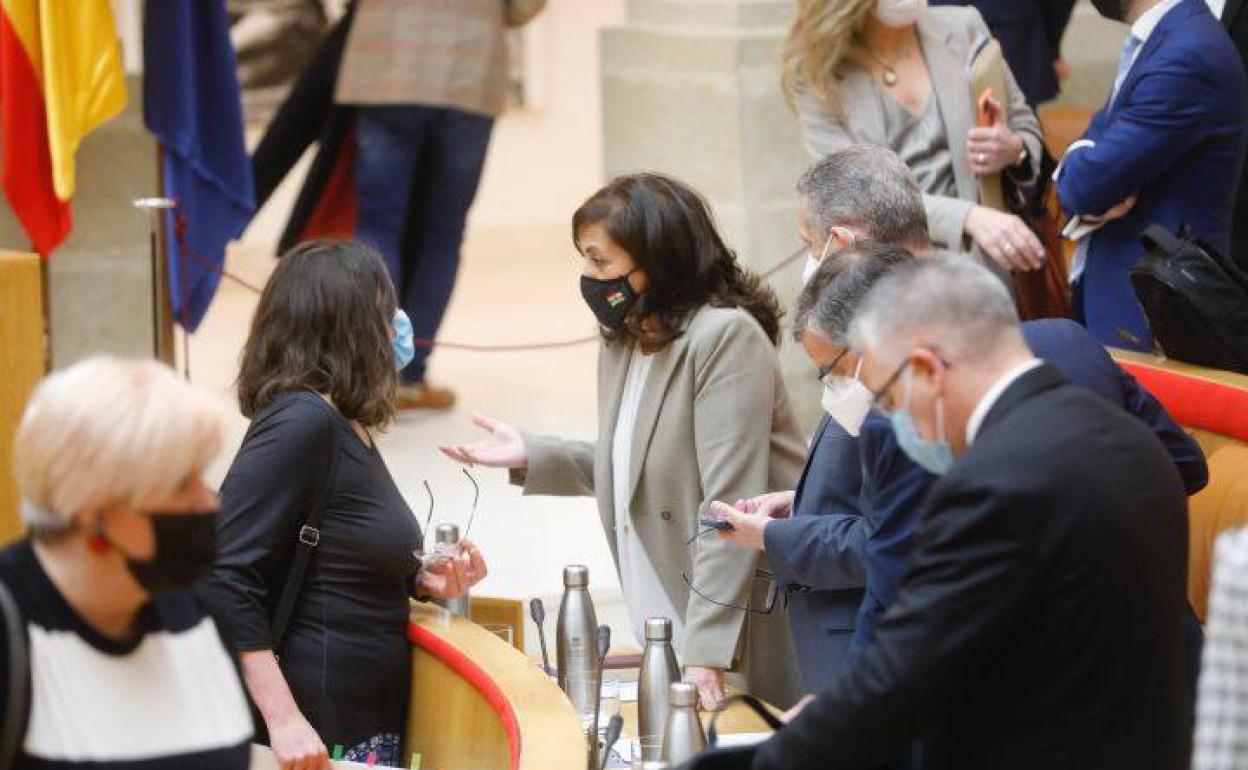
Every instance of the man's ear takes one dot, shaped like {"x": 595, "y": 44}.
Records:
{"x": 841, "y": 238}
{"x": 927, "y": 370}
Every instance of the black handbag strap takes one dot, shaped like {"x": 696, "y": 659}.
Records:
{"x": 712, "y": 734}
{"x": 307, "y": 539}
{"x": 17, "y": 697}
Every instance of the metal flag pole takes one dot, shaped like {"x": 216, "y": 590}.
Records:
{"x": 162, "y": 311}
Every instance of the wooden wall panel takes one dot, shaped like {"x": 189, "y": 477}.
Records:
{"x": 22, "y": 362}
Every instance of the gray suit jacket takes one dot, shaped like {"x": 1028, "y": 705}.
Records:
{"x": 948, "y": 35}
{"x": 714, "y": 424}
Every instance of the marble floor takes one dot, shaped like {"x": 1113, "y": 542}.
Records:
{"x": 515, "y": 286}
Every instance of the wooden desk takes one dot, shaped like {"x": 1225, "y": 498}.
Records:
{"x": 479, "y": 704}
{"x": 736, "y": 720}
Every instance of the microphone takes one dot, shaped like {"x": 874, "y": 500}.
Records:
{"x": 537, "y": 611}
{"x": 604, "y": 644}
{"x": 614, "y": 728}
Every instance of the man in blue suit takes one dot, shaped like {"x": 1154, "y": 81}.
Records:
{"x": 817, "y": 537}
{"x": 1165, "y": 149}
{"x": 892, "y": 485}
{"x": 1030, "y": 33}
{"x": 854, "y": 504}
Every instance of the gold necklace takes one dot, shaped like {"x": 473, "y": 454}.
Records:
{"x": 890, "y": 74}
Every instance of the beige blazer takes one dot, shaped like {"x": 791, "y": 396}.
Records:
{"x": 714, "y": 424}
{"x": 445, "y": 53}
{"x": 948, "y": 35}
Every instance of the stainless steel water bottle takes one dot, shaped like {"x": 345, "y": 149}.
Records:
{"x": 576, "y": 640}
{"x": 683, "y": 738}
{"x": 445, "y": 537}
{"x": 658, "y": 670}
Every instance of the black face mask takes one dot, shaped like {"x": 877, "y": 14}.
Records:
{"x": 186, "y": 548}
{"x": 610, "y": 299}
{"x": 1115, "y": 10}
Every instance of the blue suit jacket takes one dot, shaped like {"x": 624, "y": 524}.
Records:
{"x": 819, "y": 555}
{"x": 902, "y": 484}
{"x": 1030, "y": 33}
{"x": 1173, "y": 137}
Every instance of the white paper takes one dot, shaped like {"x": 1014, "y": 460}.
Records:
{"x": 741, "y": 739}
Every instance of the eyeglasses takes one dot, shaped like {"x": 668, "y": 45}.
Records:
{"x": 769, "y": 603}
{"x": 472, "y": 514}
{"x": 773, "y": 588}
{"x": 824, "y": 371}
{"x": 882, "y": 400}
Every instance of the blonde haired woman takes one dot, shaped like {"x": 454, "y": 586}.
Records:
{"x": 894, "y": 73}
{"x": 125, "y": 668}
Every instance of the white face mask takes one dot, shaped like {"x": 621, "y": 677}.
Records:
{"x": 847, "y": 401}
{"x": 812, "y": 264}
{"x": 899, "y": 13}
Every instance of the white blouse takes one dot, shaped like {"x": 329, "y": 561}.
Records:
{"x": 643, "y": 591}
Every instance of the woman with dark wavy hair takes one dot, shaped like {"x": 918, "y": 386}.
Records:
{"x": 318, "y": 375}
{"x": 691, "y": 409}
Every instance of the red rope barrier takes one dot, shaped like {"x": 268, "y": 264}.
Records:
{"x": 180, "y": 227}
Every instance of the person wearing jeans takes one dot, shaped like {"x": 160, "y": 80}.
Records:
{"x": 416, "y": 173}
{"x": 427, "y": 80}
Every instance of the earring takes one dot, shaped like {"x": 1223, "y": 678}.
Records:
{"x": 97, "y": 541}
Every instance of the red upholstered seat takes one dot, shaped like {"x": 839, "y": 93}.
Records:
{"x": 1214, "y": 406}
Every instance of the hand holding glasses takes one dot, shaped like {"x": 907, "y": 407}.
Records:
{"x": 451, "y": 568}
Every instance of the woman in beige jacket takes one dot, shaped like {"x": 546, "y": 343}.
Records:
{"x": 691, "y": 409}
{"x": 894, "y": 73}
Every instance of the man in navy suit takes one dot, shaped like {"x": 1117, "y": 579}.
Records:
{"x": 1030, "y": 33}
{"x": 817, "y": 537}
{"x": 1235, "y": 19}
{"x": 856, "y": 500}
{"x": 1165, "y": 149}
{"x": 1037, "y": 623}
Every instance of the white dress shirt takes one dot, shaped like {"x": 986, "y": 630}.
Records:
{"x": 1141, "y": 31}
{"x": 1217, "y": 6}
{"x": 990, "y": 398}
{"x": 643, "y": 591}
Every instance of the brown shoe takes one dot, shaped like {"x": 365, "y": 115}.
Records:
{"x": 423, "y": 396}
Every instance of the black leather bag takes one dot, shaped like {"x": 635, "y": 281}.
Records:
{"x": 1195, "y": 299}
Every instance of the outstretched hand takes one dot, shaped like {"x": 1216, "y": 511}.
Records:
{"x": 503, "y": 448}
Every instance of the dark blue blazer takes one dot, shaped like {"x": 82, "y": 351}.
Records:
{"x": 819, "y": 555}
{"x": 1174, "y": 137}
{"x": 1030, "y": 33}
{"x": 1071, "y": 350}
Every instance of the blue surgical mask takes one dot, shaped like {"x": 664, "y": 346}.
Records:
{"x": 404, "y": 341}
{"x": 932, "y": 456}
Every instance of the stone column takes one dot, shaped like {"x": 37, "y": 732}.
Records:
{"x": 100, "y": 279}
{"x": 691, "y": 88}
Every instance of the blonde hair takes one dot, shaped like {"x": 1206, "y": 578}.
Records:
{"x": 109, "y": 431}
{"x": 826, "y": 37}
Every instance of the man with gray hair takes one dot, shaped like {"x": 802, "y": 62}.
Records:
{"x": 815, "y": 537}
{"x": 1035, "y": 625}
{"x": 862, "y": 191}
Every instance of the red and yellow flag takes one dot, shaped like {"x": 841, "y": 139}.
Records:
{"x": 60, "y": 78}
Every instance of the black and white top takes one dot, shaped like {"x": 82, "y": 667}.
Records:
{"x": 168, "y": 698}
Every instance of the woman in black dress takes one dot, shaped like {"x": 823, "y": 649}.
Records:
{"x": 318, "y": 372}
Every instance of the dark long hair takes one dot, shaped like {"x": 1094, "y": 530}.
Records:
{"x": 323, "y": 324}
{"x": 669, "y": 232}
